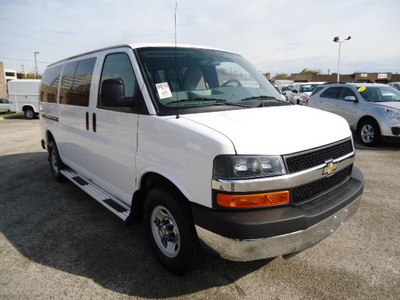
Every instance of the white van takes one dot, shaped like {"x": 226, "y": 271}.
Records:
{"x": 24, "y": 96}
{"x": 178, "y": 138}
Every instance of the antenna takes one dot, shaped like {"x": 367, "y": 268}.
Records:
{"x": 176, "y": 65}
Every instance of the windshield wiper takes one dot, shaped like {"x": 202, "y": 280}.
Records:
{"x": 220, "y": 101}
{"x": 260, "y": 98}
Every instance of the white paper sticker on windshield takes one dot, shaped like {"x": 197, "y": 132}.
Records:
{"x": 163, "y": 90}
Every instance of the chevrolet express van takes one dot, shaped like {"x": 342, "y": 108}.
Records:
{"x": 196, "y": 144}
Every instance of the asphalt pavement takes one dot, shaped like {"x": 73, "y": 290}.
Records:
{"x": 58, "y": 243}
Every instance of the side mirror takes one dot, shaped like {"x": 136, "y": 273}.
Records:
{"x": 113, "y": 94}
{"x": 350, "y": 98}
{"x": 295, "y": 91}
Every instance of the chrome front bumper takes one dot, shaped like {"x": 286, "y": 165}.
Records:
{"x": 254, "y": 249}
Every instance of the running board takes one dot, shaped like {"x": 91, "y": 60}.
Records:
{"x": 118, "y": 207}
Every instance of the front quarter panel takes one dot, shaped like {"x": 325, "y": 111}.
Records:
{"x": 182, "y": 151}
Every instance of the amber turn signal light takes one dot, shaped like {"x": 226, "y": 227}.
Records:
{"x": 253, "y": 200}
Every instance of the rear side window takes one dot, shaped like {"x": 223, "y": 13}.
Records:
{"x": 331, "y": 93}
{"x": 76, "y": 81}
{"x": 49, "y": 86}
{"x": 316, "y": 90}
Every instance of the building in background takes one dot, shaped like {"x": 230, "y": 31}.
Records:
{"x": 355, "y": 77}
{"x": 3, "y": 82}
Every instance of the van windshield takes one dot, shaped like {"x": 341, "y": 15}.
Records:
{"x": 187, "y": 79}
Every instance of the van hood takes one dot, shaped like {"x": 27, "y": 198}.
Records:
{"x": 275, "y": 130}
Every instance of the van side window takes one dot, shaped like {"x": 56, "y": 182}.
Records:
{"x": 76, "y": 81}
{"x": 49, "y": 87}
{"x": 118, "y": 66}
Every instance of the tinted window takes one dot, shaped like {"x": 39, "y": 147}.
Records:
{"x": 317, "y": 90}
{"x": 118, "y": 66}
{"x": 332, "y": 93}
{"x": 49, "y": 86}
{"x": 75, "y": 83}
{"x": 346, "y": 92}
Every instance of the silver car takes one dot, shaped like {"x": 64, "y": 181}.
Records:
{"x": 372, "y": 110}
{"x": 4, "y": 105}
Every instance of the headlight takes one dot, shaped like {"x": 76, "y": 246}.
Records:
{"x": 393, "y": 113}
{"x": 241, "y": 167}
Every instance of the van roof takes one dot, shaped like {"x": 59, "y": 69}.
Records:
{"x": 138, "y": 46}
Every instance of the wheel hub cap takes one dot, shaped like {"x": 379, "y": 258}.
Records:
{"x": 367, "y": 134}
{"x": 165, "y": 231}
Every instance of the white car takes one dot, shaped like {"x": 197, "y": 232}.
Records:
{"x": 195, "y": 143}
{"x": 301, "y": 91}
{"x": 4, "y": 105}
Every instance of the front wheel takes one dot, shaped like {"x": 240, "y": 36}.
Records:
{"x": 369, "y": 132}
{"x": 170, "y": 230}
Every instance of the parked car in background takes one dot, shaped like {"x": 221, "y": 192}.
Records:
{"x": 301, "y": 91}
{"x": 286, "y": 89}
{"x": 372, "y": 110}
{"x": 4, "y": 105}
{"x": 281, "y": 96}
{"x": 396, "y": 85}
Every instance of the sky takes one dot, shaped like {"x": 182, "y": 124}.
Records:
{"x": 277, "y": 36}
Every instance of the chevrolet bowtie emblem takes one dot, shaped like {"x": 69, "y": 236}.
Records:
{"x": 330, "y": 168}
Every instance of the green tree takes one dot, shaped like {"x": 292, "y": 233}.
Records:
{"x": 280, "y": 75}
{"x": 307, "y": 71}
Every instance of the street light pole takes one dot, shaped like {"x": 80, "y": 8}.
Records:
{"x": 337, "y": 40}
{"x": 37, "y": 70}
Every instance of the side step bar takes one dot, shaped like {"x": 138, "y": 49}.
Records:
{"x": 118, "y": 207}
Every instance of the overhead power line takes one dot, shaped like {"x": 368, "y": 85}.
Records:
{"x": 20, "y": 59}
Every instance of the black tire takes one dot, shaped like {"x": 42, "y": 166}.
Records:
{"x": 170, "y": 230}
{"x": 56, "y": 165}
{"x": 29, "y": 113}
{"x": 369, "y": 133}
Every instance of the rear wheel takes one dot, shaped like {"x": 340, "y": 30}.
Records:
{"x": 29, "y": 113}
{"x": 56, "y": 165}
{"x": 369, "y": 132}
{"x": 170, "y": 230}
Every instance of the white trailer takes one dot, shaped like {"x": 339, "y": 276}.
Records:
{"x": 24, "y": 96}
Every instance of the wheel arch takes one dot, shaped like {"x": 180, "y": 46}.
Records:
{"x": 367, "y": 117}
{"x": 146, "y": 183}
{"x": 28, "y": 106}
{"x": 49, "y": 137}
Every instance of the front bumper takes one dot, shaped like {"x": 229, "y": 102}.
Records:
{"x": 246, "y": 236}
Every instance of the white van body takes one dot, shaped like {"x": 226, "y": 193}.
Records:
{"x": 169, "y": 136}
{"x": 24, "y": 96}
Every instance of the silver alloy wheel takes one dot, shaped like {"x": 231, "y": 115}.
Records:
{"x": 367, "y": 134}
{"x": 165, "y": 231}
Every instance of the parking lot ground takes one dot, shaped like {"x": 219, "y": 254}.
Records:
{"x": 58, "y": 243}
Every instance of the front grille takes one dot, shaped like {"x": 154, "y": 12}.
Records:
{"x": 317, "y": 157}
{"x": 310, "y": 190}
